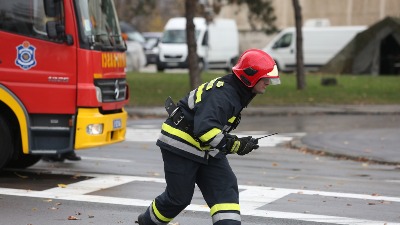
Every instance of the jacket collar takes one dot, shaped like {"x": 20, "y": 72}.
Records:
{"x": 245, "y": 93}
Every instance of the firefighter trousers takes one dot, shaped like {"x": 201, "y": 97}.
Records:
{"x": 216, "y": 181}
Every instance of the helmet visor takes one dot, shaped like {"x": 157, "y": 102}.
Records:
{"x": 274, "y": 81}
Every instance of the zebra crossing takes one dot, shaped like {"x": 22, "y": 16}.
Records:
{"x": 145, "y": 133}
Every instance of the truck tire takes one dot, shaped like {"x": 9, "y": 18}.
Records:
{"x": 24, "y": 161}
{"x": 6, "y": 146}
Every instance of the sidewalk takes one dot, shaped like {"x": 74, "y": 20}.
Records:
{"x": 287, "y": 110}
{"x": 378, "y": 145}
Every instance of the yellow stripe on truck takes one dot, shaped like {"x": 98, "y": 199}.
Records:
{"x": 19, "y": 111}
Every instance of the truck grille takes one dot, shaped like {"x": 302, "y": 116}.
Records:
{"x": 112, "y": 90}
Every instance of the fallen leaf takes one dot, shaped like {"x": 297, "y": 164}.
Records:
{"x": 62, "y": 185}
{"x": 155, "y": 174}
{"x": 76, "y": 176}
{"x": 73, "y": 218}
{"x": 21, "y": 176}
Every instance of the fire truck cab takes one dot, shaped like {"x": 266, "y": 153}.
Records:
{"x": 62, "y": 78}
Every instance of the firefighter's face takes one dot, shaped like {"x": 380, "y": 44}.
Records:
{"x": 261, "y": 86}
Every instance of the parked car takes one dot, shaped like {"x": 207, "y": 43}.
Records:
{"x": 135, "y": 57}
{"x": 217, "y": 44}
{"x": 151, "y": 49}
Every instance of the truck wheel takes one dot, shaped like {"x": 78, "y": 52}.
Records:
{"x": 232, "y": 63}
{"x": 24, "y": 161}
{"x": 6, "y": 146}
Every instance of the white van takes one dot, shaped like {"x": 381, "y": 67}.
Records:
{"x": 217, "y": 44}
{"x": 320, "y": 44}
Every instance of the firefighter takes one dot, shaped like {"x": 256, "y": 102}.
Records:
{"x": 195, "y": 140}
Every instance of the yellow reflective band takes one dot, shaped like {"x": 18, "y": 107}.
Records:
{"x": 224, "y": 206}
{"x": 183, "y": 135}
{"x": 199, "y": 93}
{"x": 220, "y": 84}
{"x": 158, "y": 214}
{"x": 210, "y": 134}
{"x": 231, "y": 120}
{"x": 235, "y": 147}
{"x": 211, "y": 83}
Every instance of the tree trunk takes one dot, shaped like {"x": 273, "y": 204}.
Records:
{"x": 194, "y": 71}
{"x": 301, "y": 81}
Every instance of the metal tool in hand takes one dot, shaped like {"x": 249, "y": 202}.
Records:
{"x": 265, "y": 136}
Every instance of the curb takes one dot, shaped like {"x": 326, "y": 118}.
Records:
{"x": 298, "y": 145}
{"x": 141, "y": 112}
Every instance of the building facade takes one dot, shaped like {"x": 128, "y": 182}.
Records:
{"x": 337, "y": 12}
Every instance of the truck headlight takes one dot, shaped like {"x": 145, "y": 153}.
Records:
{"x": 94, "y": 129}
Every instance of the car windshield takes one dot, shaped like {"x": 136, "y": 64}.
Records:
{"x": 176, "y": 36}
{"x": 99, "y": 24}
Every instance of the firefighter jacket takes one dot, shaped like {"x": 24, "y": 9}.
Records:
{"x": 210, "y": 112}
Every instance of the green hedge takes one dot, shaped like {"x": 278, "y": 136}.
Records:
{"x": 151, "y": 89}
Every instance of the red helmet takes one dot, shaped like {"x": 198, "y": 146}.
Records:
{"x": 255, "y": 64}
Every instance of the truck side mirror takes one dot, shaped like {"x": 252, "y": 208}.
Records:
{"x": 57, "y": 31}
{"x": 52, "y": 8}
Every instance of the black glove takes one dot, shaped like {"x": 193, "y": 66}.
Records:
{"x": 241, "y": 146}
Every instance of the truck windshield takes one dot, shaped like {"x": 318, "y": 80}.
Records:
{"x": 99, "y": 25}
{"x": 176, "y": 36}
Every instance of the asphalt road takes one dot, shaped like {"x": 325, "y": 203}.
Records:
{"x": 278, "y": 184}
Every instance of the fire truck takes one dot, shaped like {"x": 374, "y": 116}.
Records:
{"x": 62, "y": 78}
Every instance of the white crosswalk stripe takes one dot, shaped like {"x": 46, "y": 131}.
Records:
{"x": 141, "y": 134}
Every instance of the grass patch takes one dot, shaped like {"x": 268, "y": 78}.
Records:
{"x": 151, "y": 89}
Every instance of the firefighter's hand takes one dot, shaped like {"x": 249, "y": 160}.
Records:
{"x": 240, "y": 146}
{"x": 248, "y": 144}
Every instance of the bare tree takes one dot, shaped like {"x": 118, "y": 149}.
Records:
{"x": 261, "y": 14}
{"x": 301, "y": 81}
{"x": 193, "y": 59}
